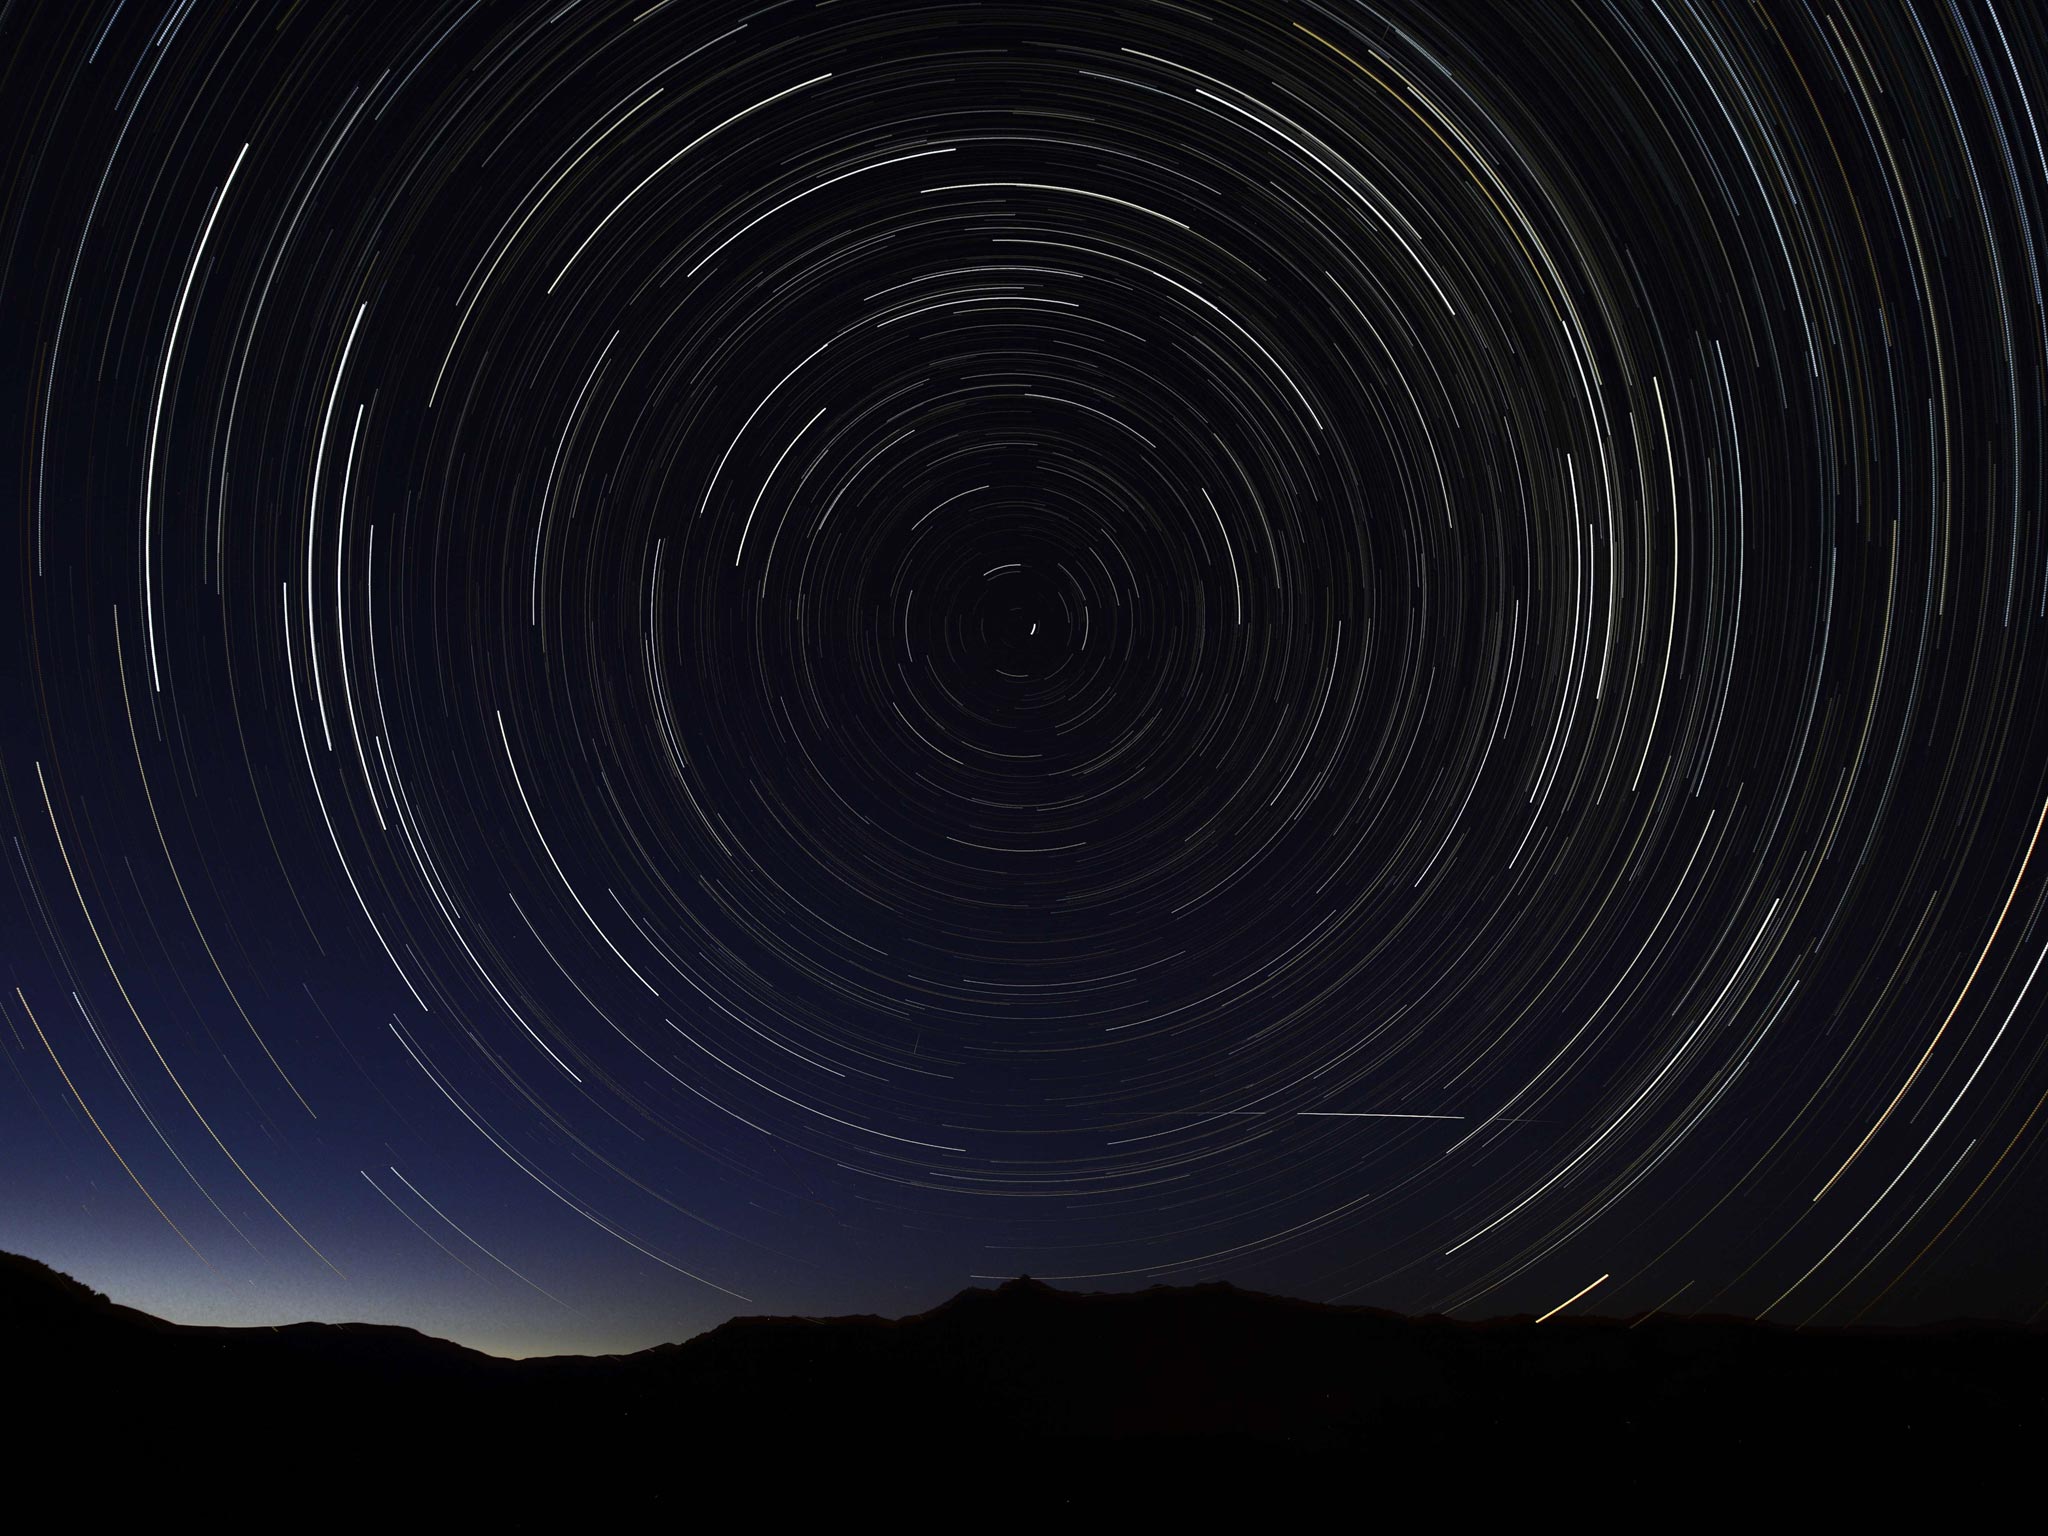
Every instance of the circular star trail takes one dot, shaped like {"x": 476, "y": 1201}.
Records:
{"x": 689, "y": 657}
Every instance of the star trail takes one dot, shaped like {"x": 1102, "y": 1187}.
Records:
{"x": 686, "y": 658}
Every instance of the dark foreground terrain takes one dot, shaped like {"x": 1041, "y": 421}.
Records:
{"x": 1035, "y": 1397}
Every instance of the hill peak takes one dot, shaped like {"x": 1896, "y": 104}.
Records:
{"x": 1023, "y": 1286}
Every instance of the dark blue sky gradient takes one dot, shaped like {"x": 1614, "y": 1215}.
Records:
{"x": 769, "y": 657}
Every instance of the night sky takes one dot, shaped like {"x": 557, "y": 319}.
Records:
{"x": 676, "y": 659}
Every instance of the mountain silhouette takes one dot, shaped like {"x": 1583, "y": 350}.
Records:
{"x": 1209, "y": 1377}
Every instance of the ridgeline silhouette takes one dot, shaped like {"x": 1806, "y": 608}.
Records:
{"x": 1055, "y": 1373}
